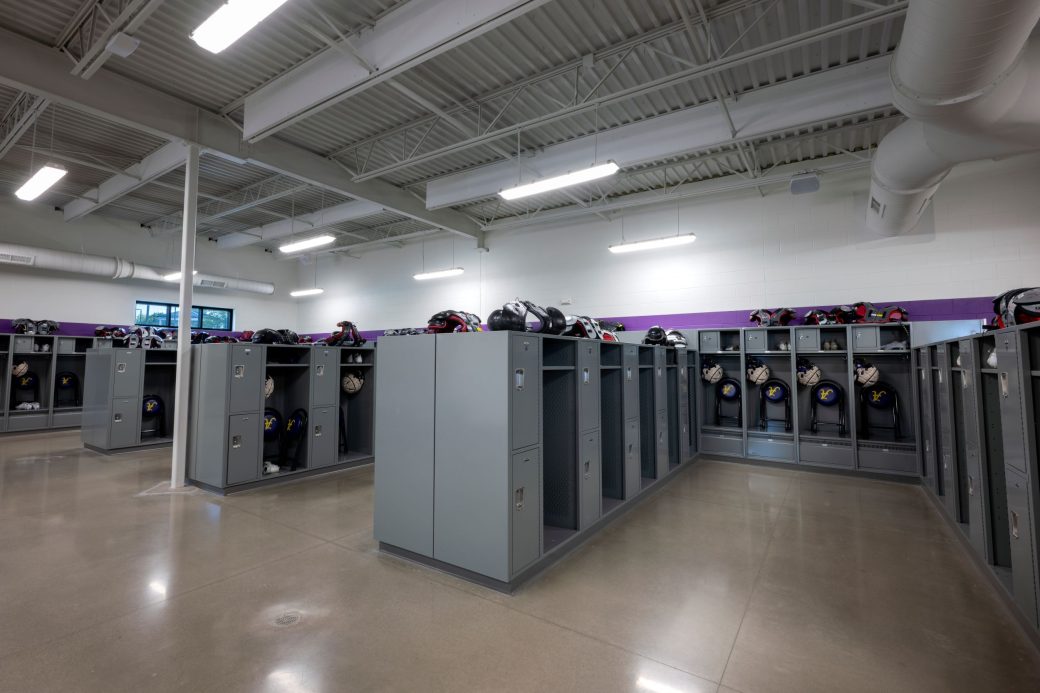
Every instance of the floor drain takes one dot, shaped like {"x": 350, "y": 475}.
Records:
{"x": 289, "y": 618}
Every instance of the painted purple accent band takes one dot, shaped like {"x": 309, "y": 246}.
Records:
{"x": 86, "y": 329}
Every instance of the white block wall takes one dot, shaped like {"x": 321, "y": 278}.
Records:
{"x": 28, "y": 293}
{"x": 751, "y": 251}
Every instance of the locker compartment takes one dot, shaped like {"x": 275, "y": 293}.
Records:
{"x": 612, "y": 436}
{"x": 1023, "y": 565}
{"x": 525, "y": 388}
{"x": 525, "y": 504}
{"x": 591, "y": 479}
{"x": 243, "y": 452}
{"x": 323, "y": 442}
{"x": 633, "y": 465}
{"x": 828, "y": 454}
{"x": 997, "y": 536}
{"x": 771, "y": 448}
{"x": 660, "y": 379}
{"x": 559, "y": 458}
{"x": 709, "y": 341}
{"x": 881, "y": 459}
{"x": 126, "y": 422}
{"x": 247, "y": 378}
{"x": 27, "y": 422}
{"x": 325, "y": 376}
{"x": 721, "y": 444}
{"x": 647, "y": 428}
{"x": 1011, "y": 401}
{"x": 755, "y": 341}
{"x": 662, "y": 442}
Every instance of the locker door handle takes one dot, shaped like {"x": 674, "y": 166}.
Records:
{"x": 628, "y": 373}
{"x": 518, "y": 497}
{"x": 519, "y": 376}
{"x": 1014, "y": 525}
{"x": 1004, "y": 384}
{"x": 588, "y": 469}
{"x": 240, "y": 371}
{"x": 118, "y": 418}
{"x": 630, "y": 448}
{"x": 971, "y": 486}
{"x": 236, "y": 442}
{"x": 658, "y": 371}
{"x": 584, "y": 376}
{"x": 319, "y": 369}
{"x": 120, "y": 368}
{"x": 317, "y": 431}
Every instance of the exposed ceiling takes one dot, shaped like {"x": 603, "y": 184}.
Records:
{"x": 509, "y": 96}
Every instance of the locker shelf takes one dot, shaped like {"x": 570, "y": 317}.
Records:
{"x": 776, "y": 435}
{"x": 725, "y": 430}
{"x": 988, "y": 370}
{"x": 557, "y": 368}
{"x": 288, "y": 365}
{"x": 609, "y": 504}
{"x": 355, "y": 365}
{"x": 553, "y": 537}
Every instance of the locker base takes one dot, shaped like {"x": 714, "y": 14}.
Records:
{"x": 163, "y": 443}
{"x": 283, "y": 478}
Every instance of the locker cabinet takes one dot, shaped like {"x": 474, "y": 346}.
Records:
{"x": 1023, "y": 539}
{"x": 526, "y": 391}
{"x": 115, "y": 383}
{"x": 590, "y": 481}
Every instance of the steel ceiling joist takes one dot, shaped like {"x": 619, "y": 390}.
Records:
{"x": 404, "y": 38}
{"x": 30, "y": 66}
{"x": 705, "y": 70}
{"x": 19, "y": 118}
{"x": 305, "y": 222}
{"x": 86, "y": 41}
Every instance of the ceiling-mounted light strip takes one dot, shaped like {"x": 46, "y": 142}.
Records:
{"x": 231, "y": 22}
{"x": 41, "y": 181}
{"x": 306, "y": 292}
{"x": 307, "y": 243}
{"x": 439, "y": 274}
{"x": 557, "y": 182}
{"x": 653, "y": 243}
{"x": 176, "y": 276}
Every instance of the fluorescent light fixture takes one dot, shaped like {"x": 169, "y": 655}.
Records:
{"x": 176, "y": 276}
{"x": 439, "y": 274}
{"x": 40, "y": 182}
{"x": 231, "y": 22}
{"x": 666, "y": 242}
{"x": 308, "y": 243}
{"x": 306, "y": 292}
{"x": 557, "y": 182}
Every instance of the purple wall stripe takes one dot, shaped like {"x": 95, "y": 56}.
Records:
{"x": 980, "y": 307}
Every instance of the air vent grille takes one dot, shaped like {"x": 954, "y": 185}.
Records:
{"x": 213, "y": 284}
{"x": 12, "y": 259}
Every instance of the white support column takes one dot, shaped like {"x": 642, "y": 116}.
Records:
{"x": 183, "y": 385}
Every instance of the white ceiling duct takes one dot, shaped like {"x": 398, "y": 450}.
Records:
{"x": 114, "y": 268}
{"x": 968, "y": 77}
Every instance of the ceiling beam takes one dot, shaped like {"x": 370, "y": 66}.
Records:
{"x": 322, "y": 218}
{"x": 405, "y": 37}
{"x": 824, "y": 96}
{"x": 30, "y": 66}
{"x": 18, "y": 119}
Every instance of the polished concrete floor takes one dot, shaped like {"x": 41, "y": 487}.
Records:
{"x": 733, "y": 579}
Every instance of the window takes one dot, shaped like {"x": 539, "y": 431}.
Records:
{"x": 153, "y": 314}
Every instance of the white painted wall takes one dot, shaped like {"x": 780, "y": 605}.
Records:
{"x": 75, "y": 298}
{"x": 751, "y": 252}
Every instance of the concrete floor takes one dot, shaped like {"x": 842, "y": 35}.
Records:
{"x": 735, "y": 578}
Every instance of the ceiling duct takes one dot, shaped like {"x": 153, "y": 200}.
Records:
{"x": 967, "y": 75}
{"x": 114, "y": 268}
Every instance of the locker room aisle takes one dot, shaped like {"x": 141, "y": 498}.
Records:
{"x": 732, "y": 578}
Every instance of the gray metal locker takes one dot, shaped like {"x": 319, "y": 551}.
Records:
{"x": 949, "y": 463}
{"x": 633, "y": 464}
{"x": 588, "y": 386}
{"x": 322, "y": 441}
{"x": 126, "y": 422}
{"x": 590, "y": 480}
{"x": 1023, "y": 556}
{"x": 325, "y": 378}
{"x": 807, "y": 339}
{"x": 243, "y": 448}
{"x": 526, "y": 390}
{"x": 630, "y": 366}
{"x": 1011, "y": 402}
{"x": 928, "y": 422}
{"x": 126, "y": 378}
{"x": 247, "y": 374}
{"x": 660, "y": 378}
{"x": 526, "y": 515}
{"x": 969, "y": 422}
{"x": 662, "y": 443}
{"x": 865, "y": 337}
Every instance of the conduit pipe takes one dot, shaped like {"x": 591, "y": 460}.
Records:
{"x": 967, "y": 75}
{"x": 114, "y": 268}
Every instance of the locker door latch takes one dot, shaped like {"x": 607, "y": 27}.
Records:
{"x": 1004, "y": 384}
{"x": 236, "y": 442}
{"x": 588, "y": 467}
{"x": 519, "y": 376}
{"x": 584, "y": 376}
{"x": 319, "y": 369}
{"x": 628, "y": 373}
{"x": 519, "y": 498}
{"x": 1014, "y": 524}
{"x": 971, "y": 486}
{"x": 317, "y": 431}
{"x": 120, "y": 368}
{"x": 240, "y": 371}
{"x": 118, "y": 418}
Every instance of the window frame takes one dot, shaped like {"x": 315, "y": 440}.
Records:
{"x": 170, "y": 307}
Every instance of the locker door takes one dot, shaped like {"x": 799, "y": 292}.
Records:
{"x": 633, "y": 477}
{"x": 324, "y": 441}
{"x": 973, "y": 452}
{"x": 927, "y": 427}
{"x": 630, "y": 380}
{"x": 1022, "y": 557}
{"x": 525, "y": 509}
{"x": 662, "y": 443}
{"x": 944, "y": 423}
{"x": 127, "y": 373}
{"x": 126, "y": 423}
{"x": 588, "y": 386}
{"x": 243, "y": 448}
{"x": 324, "y": 376}
{"x": 247, "y": 376}
{"x": 660, "y": 379}
{"x": 1011, "y": 403}
{"x": 590, "y": 468}
{"x": 684, "y": 433}
{"x": 525, "y": 386}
